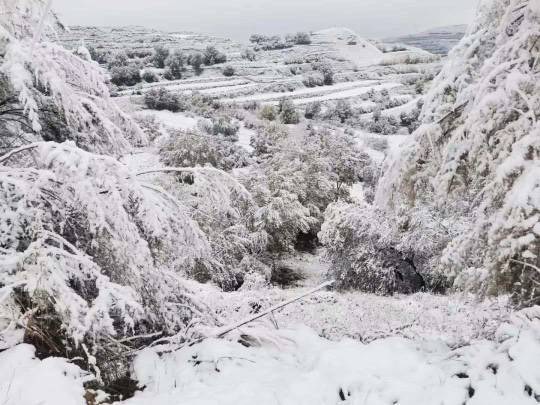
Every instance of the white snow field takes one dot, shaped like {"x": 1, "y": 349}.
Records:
{"x": 26, "y": 380}
{"x": 297, "y": 367}
{"x": 349, "y": 46}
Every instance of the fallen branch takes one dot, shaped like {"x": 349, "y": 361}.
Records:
{"x": 227, "y": 329}
{"x": 10, "y": 154}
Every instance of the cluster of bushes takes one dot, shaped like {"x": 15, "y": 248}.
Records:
{"x": 190, "y": 149}
{"x": 162, "y": 99}
{"x": 212, "y": 56}
{"x": 382, "y": 124}
{"x": 222, "y": 125}
{"x": 411, "y": 120}
{"x": 149, "y": 76}
{"x": 394, "y": 48}
{"x": 326, "y": 70}
{"x": 175, "y": 61}
{"x": 303, "y": 174}
{"x": 249, "y": 54}
{"x": 313, "y": 80}
{"x": 268, "y": 43}
{"x": 408, "y": 58}
{"x": 313, "y": 110}
{"x": 285, "y": 111}
{"x": 125, "y": 75}
{"x": 300, "y": 38}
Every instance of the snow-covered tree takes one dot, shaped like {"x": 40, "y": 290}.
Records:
{"x": 54, "y": 94}
{"x": 476, "y": 156}
{"x": 89, "y": 247}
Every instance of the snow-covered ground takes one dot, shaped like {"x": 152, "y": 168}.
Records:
{"x": 297, "y": 367}
{"x": 349, "y": 46}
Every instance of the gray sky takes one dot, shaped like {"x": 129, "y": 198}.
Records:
{"x": 237, "y": 19}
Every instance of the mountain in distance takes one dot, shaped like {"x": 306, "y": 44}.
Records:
{"x": 437, "y": 40}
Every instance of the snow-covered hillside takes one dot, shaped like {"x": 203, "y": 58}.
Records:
{"x": 349, "y": 45}
{"x": 310, "y": 218}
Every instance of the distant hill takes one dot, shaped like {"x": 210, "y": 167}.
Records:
{"x": 347, "y": 44}
{"x": 438, "y": 40}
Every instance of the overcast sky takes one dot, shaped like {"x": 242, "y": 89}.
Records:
{"x": 239, "y": 18}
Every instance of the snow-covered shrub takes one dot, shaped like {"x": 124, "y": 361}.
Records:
{"x": 162, "y": 99}
{"x": 374, "y": 252}
{"x": 268, "y": 112}
{"x": 325, "y": 68}
{"x": 382, "y": 124}
{"x": 266, "y": 43}
{"x": 90, "y": 253}
{"x": 160, "y": 56}
{"x": 249, "y": 54}
{"x": 359, "y": 245}
{"x": 226, "y": 212}
{"x": 411, "y": 119}
{"x": 189, "y": 149}
{"x": 222, "y": 125}
{"x": 228, "y": 71}
{"x": 151, "y": 126}
{"x": 196, "y": 60}
{"x": 300, "y": 177}
{"x": 175, "y": 65}
{"x": 150, "y": 76}
{"x": 343, "y": 110}
{"x": 478, "y": 146}
{"x": 212, "y": 56}
{"x": 118, "y": 59}
{"x": 287, "y": 112}
{"x": 268, "y": 137}
{"x": 302, "y": 38}
{"x": 125, "y": 75}
{"x": 313, "y": 110}
{"x": 313, "y": 80}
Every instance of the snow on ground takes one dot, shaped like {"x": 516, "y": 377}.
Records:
{"x": 307, "y": 95}
{"x": 244, "y": 138}
{"x": 349, "y": 46}
{"x": 172, "y": 120}
{"x": 26, "y": 380}
{"x": 199, "y": 83}
{"x": 297, "y": 367}
{"x": 454, "y": 319}
{"x": 355, "y": 92}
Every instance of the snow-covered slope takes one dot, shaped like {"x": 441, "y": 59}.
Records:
{"x": 476, "y": 158}
{"x": 349, "y": 45}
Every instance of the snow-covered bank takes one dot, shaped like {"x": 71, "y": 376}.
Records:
{"x": 54, "y": 381}
{"x": 296, "y": 367}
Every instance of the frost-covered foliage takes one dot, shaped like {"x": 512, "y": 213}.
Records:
{"x": 212, "y": 56}
{"x": 222, "y": 125}
{"x": 175, "y": 65}
{"x": 162, "y": 99}
{"x": 91, "y": 252}
{"x": 226, "y": 212}
{"x": 479, "y": 146}
{"x": 373, "y": 251}
{"x": 300, "y": 177}
{"x": 287, "y": 112}
{"x": 21, "y": 18}
{"x": 54, "y": 94}
{"x": 189, "y": 149}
